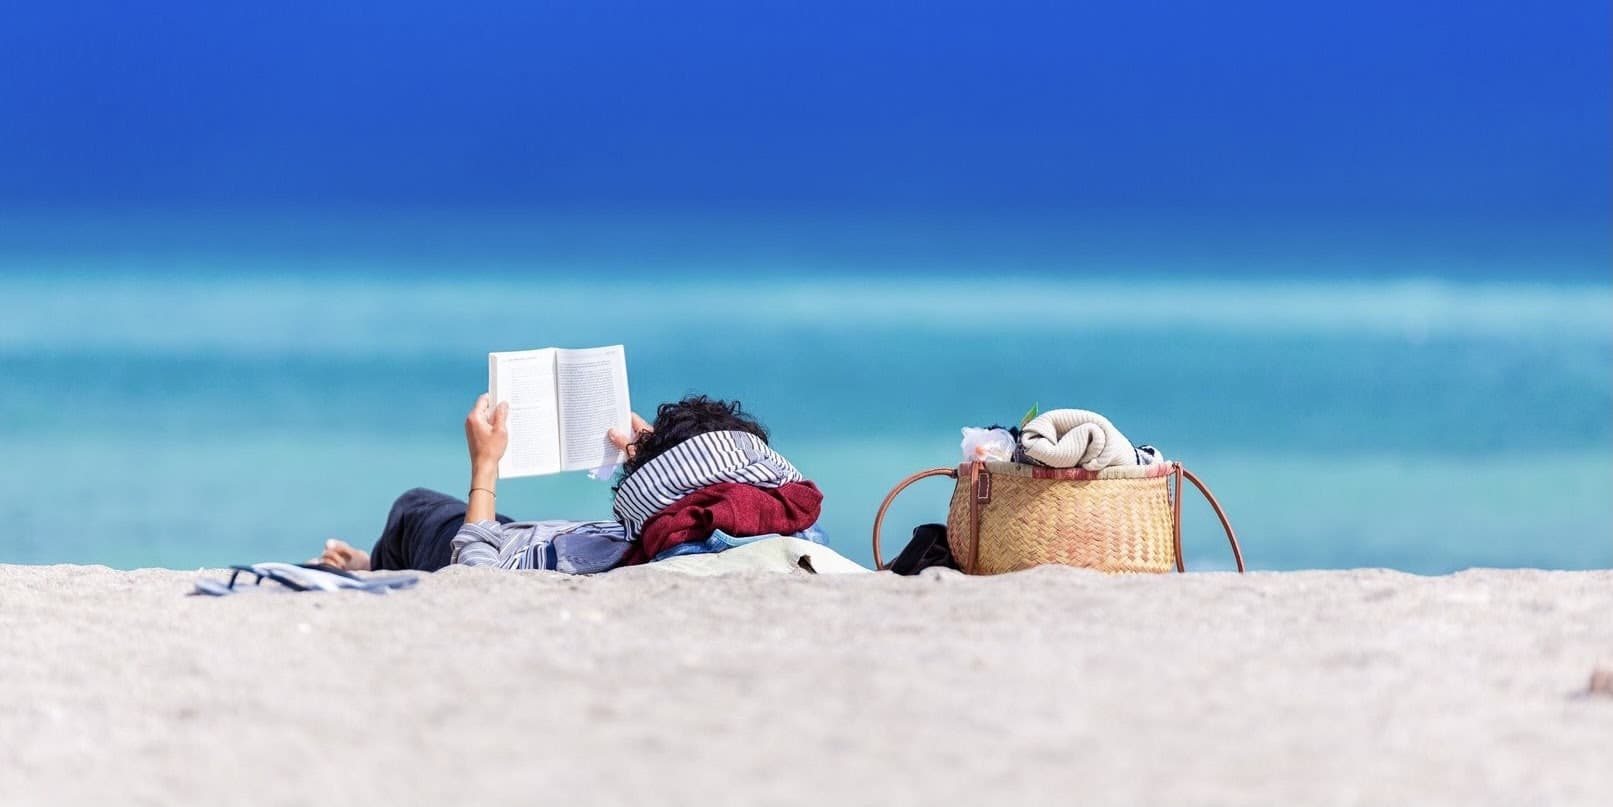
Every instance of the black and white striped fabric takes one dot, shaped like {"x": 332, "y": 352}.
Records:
{"x": 698, "y": 462}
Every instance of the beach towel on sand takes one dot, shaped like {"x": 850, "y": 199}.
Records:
{"x": 781, "y": 554}
{"x": 302, "y": 577}
{"x": 1076, "y": 438}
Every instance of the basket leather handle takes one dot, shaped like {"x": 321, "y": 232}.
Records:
{"x": 879, "y": 520}
{"x": 1176, "y": 527}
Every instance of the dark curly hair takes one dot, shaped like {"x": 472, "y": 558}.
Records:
{"x": 680, "y": 420}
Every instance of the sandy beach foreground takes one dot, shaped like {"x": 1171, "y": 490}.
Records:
{"x": 1052, "y": 686}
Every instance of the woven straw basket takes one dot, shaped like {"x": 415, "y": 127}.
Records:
{"x": 1005, "y": 517}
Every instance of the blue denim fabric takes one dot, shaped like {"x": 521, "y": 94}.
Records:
{"x": 721, "y": 542}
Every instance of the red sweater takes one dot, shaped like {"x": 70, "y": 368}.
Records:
{"x": 735, "y": 508}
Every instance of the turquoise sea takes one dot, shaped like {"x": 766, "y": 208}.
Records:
{"x": 230, "y": 413}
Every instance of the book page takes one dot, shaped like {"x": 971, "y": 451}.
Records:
{"x": 526, "y": 380}
{"x": 593, "y": 400}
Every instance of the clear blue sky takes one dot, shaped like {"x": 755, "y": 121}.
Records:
{"x": 1466, "y": 127}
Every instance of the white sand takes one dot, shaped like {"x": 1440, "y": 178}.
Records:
{"x": 1052, "y": 687}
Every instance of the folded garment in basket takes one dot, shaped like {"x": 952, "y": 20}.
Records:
{"x": 1076, "y": 438}
{"x": 1148, "y": 455}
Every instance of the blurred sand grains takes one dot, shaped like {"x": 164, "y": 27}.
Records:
{"x": 1045, "y": 687}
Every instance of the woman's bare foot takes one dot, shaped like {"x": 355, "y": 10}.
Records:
{"x": 339, "y": 554}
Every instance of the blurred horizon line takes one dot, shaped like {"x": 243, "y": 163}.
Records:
{"x": 496, "y": 240}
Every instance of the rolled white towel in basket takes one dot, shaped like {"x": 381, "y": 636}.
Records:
{"x": 1076, "y": 438}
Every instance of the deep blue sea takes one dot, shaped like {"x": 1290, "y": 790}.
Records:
{"x": 235, "y": 412}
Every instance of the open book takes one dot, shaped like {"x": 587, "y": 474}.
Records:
{"x": 561, "y": 404}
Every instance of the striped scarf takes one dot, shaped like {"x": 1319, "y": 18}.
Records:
{"x": 698, "y": 462}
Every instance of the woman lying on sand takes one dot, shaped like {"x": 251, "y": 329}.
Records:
{"x": 702, "y": 478}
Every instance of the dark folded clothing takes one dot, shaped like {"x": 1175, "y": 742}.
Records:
{"x": 928, "y": 548}
{"x": 737, "y": 509}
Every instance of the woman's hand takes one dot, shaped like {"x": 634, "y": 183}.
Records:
{"x": 487, "y": 435}
{"x": 621, "y": 440}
